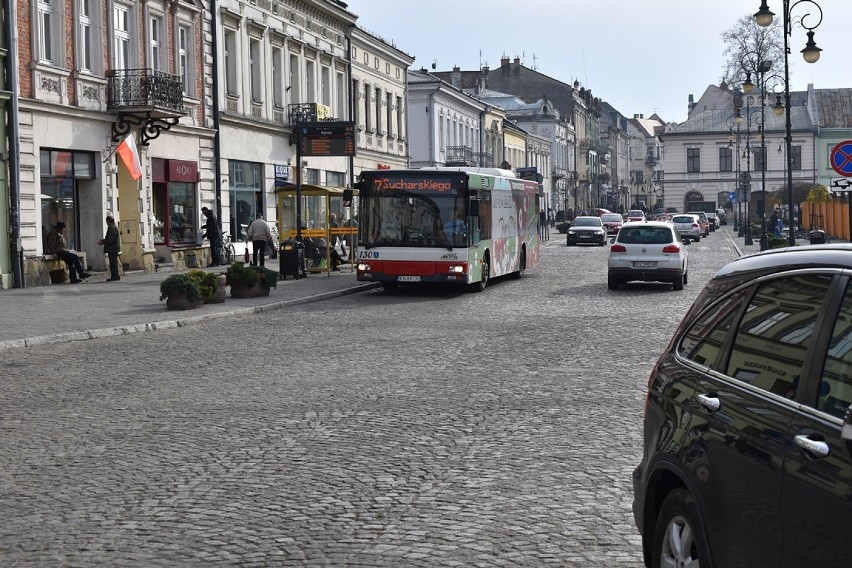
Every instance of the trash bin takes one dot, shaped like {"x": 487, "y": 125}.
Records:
{"x": 291, "y": 255}
{"x": 817, "y": 237}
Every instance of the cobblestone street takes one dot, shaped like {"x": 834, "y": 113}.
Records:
{"x": 424, "y": 427}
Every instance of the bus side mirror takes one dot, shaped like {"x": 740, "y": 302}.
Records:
{"x": 474, "y": 208}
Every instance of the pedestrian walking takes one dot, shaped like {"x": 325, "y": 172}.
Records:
{"x": 213, "y": 234}
{"x": 112, "y": 246}
{"x": 56, "y": 245}
{"x": 259, "y": 234}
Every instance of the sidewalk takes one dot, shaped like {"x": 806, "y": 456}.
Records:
{"x": 60, "y": 313}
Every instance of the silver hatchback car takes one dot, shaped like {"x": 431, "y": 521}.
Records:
{"x": 647, "y": 251}
{"x": 688, "y": 225}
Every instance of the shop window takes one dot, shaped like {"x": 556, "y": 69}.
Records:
{"x": 61, "y": 174}
{"x": 176, "y": 221}
{"x": 245, "y": 196}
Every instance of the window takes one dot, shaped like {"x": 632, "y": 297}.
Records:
{"x": 255, "y": 70}
{"x": 156, "y": 46}
{"x": 121, "y": 37}
{"x": 342, "y": 111}
{"x": 368, "y": 122}
{"x": 726, "y": 159}
{"x": 85, "y": 42}
{"x": 378, "y": 101}
{"x": 277, "y": 77}
{"x": 312, "y": 176}
{"x": 175, "y": 221}
{"x": 796, "y": 153}
{"x": 357, "y": 102}
{"x": 310, "y": 81}
{"x": 399, "y": 120}
{"x": 49, "y": 25}
{"x": 354, "y": 53}
{"x": 772, "y": 339}
{"x": 231, "y": 56}
{"x": 835, "y": 393}
{"x": 334, "y": 179}
{"x": 62, "y": 174}
{"x": 295, "y": 84}
{"x": 325, "y": 85}
{"x": 185, "y": 59}
{"x": 389, "y": 111}
{"x": 760, "y": 159}
{"x": 245, "y": 196}
{"x": 693, "y": 160}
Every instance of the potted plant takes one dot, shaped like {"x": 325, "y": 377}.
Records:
{"x": 212, "y": 285}
{"x": 249, "y": 281}
{"x": 181, "y": 292}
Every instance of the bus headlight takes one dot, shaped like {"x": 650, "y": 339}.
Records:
{"x": 456, "y": 269}
{"x": 363, "y": 267}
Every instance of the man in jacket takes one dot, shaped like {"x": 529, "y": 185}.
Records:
{"x": 214, "y": 235}
{"x": 112, "y": 246}
{"x": 56, "y": 245}
{"x": 258, "y": 233}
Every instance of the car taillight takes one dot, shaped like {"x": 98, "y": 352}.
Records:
{"x": 695, "y": 224}
{"x": 673, "y": 249}
{"x": 617, "y": 248}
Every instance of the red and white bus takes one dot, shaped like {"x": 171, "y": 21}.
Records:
{"x": 445, "y": 225}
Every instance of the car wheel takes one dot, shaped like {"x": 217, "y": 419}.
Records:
{"x": 679, "y": 534}
{"x": 686, "y": 277}
{"x": 612, "y": 282}
{"x": 698, "y": 239}
{"x": 678, "y": 284}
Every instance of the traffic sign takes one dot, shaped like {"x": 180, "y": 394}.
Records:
{"x": 733, "y": 196}
{"x": 840, "y": 185}
{"x": 841, "y": 158}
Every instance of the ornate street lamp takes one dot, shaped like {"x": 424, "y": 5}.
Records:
{"x": 811, "y": 54}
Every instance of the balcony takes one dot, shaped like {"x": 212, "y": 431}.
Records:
{"x": 650, "y": 161}
{"x": 145, "y": 90}
{"x": 312, "y": 112}
{"x": 557, "y": 172}
{"x": 460, "y": 156}
{"x": 144, "y": 98}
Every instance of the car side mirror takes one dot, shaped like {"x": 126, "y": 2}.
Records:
{"x": 846, "y": 430}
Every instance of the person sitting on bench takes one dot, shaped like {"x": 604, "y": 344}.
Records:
{"x": 56, "y": 245}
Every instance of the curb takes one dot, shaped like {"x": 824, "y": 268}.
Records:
{"x": 69, "y": 336}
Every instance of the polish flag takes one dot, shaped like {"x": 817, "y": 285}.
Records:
{"x": 130, "y": 156}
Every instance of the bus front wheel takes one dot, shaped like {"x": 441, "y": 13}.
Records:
{"x": 483, "y": 281}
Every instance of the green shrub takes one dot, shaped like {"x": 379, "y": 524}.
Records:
{"x": 206, "y": 281}
{"x": 250, "y": 275}
{"x": 563, "y": 227}
{"x": 180, "y": 283}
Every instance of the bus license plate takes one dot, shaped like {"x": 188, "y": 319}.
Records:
{"x": 645, "y": 264}
{"x": 408, "y": 279}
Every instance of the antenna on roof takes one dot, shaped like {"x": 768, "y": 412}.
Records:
{"x": 535, "y": 68}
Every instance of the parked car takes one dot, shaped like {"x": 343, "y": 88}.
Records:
{"x": 747, "y": 447}
{"x": 687, "y": 225}
{"x": 649, "y": 252}
{"x": 635, "y": 215}
{"x": 671, "y": 210}
{"x": 723, "y": 216}
{"x": 714, "y": 220}
{"x": 612, "y": 222}
{"x": 703, "y": 221}
{"x": 587, "y": 229}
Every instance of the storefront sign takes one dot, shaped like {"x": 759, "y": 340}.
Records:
{"x": 182, "y": 170}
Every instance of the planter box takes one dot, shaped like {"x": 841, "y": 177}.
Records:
{"x": 177, "y": 301}
{"x": 219, "y": 295}
{"x": 243, "y": 291}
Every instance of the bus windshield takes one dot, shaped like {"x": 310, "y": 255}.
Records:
{"x": 406, "y": 217}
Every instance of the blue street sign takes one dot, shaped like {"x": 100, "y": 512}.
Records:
{"x": 733, "y": 196}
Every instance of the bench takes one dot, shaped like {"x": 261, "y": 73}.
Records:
{"x": 57, "y": 268}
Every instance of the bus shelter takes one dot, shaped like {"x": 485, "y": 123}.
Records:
{"x": 326, "y": 224}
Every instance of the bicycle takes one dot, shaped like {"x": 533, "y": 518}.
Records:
{"x": 227, "y": 253}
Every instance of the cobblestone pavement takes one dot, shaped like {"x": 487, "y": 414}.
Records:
{"x": 418, "y": 428}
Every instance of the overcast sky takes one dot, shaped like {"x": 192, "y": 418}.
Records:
{"x": 641, "y": 56}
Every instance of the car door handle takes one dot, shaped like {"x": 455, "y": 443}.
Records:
{"x": 816, "y": 448}
{"x": 711, "y": 403}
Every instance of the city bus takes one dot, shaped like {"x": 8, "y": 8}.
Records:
{"x": 445, "y": 225}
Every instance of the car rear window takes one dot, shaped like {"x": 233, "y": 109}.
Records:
{"x": 645, "y": 235}
{"x": 682, "y": 219}
{"x": 586, "y": 222}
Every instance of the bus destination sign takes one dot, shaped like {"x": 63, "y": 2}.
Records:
{"x": 424, "y": 184}
{"x": 328, "y": 139}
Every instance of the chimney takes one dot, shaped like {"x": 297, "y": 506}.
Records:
{"x": 517, "y": 60}
{"x": 455, "y": 77}
{"x": 504, "y": 62}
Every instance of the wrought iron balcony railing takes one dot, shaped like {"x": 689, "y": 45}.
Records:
{"x": 460, "y": 156}
{"x": 144, "y": 89}
{"x": 311, "y": 112}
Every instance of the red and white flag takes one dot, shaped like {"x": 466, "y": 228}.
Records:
{"x": 130, "y": 156}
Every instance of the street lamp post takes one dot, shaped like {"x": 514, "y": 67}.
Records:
{"x": 763, "y": 17}
{"x": 762, "y": 67}
{"x": 739, "y": 118}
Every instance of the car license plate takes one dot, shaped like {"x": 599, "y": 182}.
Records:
{"x": 408, "y": 279}
{"x": 644, "y": 264}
